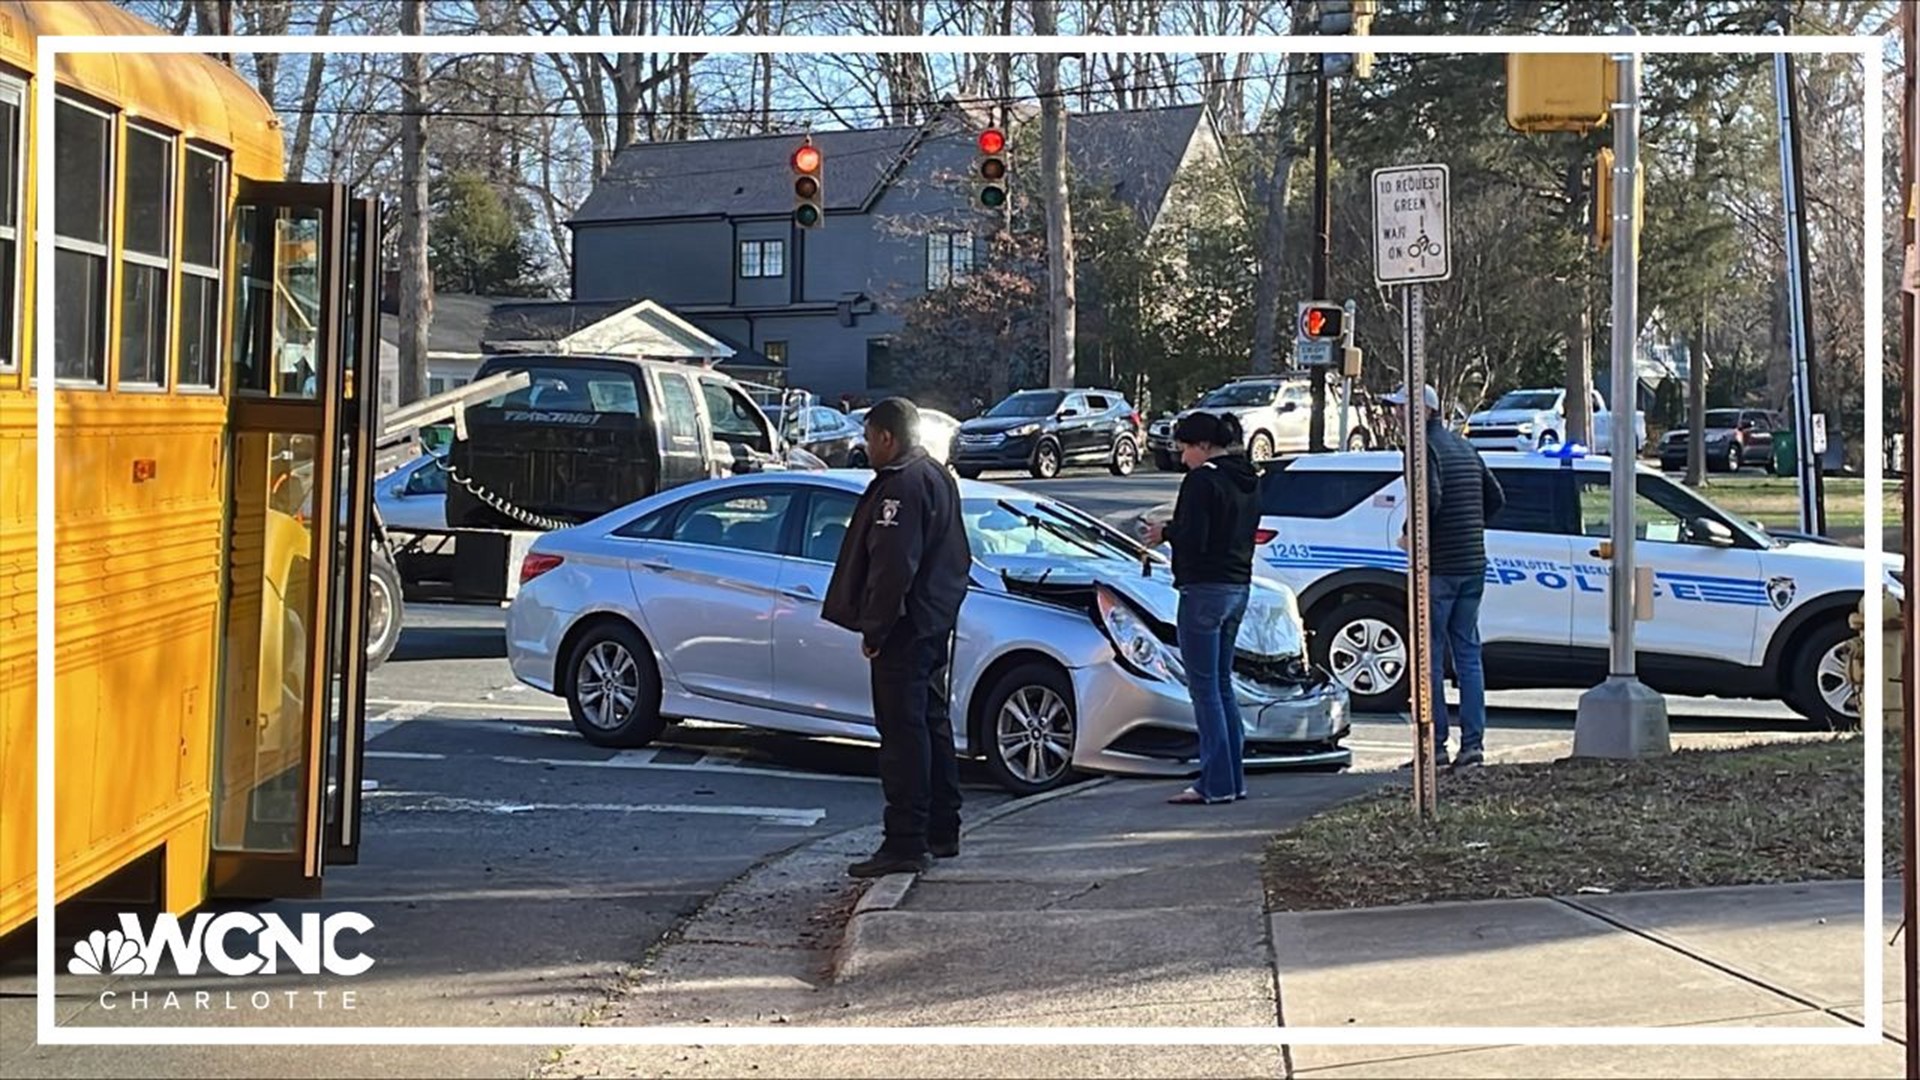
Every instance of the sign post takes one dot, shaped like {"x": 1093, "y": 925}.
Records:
{"x": 1412, "y": 245}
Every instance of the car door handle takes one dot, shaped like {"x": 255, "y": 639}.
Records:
{"x": 656, "y": 562}
{"x": 800, "y": 592}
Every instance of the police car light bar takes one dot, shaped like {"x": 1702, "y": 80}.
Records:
{"x": 1566, "y": 451}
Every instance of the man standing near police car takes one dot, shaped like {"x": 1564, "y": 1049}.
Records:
{"x": 902, "y": 572}
{"x": 1462, "y": 496}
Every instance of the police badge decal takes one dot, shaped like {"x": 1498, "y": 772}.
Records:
{"x": 889, "y": 513}
{"x": 1780, "y": 592}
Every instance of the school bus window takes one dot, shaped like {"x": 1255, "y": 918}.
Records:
{"x": 201, "y": 260}
{"x": 146, "y": 257}
{"x": 83, "y": 141}
{"x": 10, "y": 166}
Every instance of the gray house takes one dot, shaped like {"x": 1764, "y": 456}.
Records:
{"x": 705, "y": 229}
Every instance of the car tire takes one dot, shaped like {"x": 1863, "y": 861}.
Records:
{"x": 856, "y": 459}
{"x": 1362, "y": 643}
{"x": 385, "y": 607}
{"x": 1733, "y": 457}
{"x": 1260, "y": 447}
{"x": 614, "y": 652}
{"x": 1046, "y": 460}
{"x": 1357, "y": 440}
{"x": 1818, "y": 686}
{"x": 1164, "y": 461}
{"x": 1546, "y": 439}
{"x": 966, "y": 472}
{"x": 1044, "y": 692}
{"x": 1126, "y": 457}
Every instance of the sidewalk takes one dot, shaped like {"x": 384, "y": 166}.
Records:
{"x": 1107, "y": 907}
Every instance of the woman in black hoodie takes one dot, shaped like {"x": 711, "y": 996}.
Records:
{"x": 1212, "y": 537}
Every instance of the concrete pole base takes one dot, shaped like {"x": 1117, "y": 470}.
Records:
{"x": 1621, "y": 719}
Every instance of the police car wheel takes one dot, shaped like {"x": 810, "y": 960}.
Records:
{"x": 1819, "y": 685}
{"x": 1362, "y": 642}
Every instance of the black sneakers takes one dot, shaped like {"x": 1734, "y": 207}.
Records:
{"x": 1469, "y": 758}
{"x": 880, "y": 864}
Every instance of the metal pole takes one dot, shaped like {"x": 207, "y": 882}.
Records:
{"x": 1626, "y": 325}
{"x": 1910, "y": 647}
{"x": 1807, "y": 465}
{"x": 1622, "y": 718}
{"x": 1419, "y": 593}
{"x": 1322, "y": 247}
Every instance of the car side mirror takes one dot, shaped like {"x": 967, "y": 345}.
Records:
{"x": 1068, "y": 414}
{"x": 1289, "y": 406}
{"x": 1704, "y": 530}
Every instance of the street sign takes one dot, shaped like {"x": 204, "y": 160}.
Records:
{"x": 1411, "y": 237}
{"x": 1312, "y": 352}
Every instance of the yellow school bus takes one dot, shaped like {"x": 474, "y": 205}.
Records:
{"x": 212, "y": 479}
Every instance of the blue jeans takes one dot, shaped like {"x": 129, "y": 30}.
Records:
{"x": 1456, "y": 630}
{"x": 1207, "y": 626}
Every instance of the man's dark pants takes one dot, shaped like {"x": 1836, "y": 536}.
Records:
{"x": 919, "y": 773}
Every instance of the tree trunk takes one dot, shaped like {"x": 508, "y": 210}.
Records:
{"x": 1273, "y": 238}
{"x": 1053, "y": 170}
{"x": 310, "y": 96}
{"x": 1697, "y": 404}
{"x": 1580, "y": 368}
{"x": 416, "y": 281}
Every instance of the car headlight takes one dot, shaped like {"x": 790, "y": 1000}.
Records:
{"x": 1135, "y": 643}
{"x": 1023, "y": 429}
{"x": 1524, "y": 427}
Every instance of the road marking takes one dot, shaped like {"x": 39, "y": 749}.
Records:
{"x": 420, "y": 707}
{"x": 643, "y": 760}
{"x": 402, "y": 755}
{"x": 775, "y": 815}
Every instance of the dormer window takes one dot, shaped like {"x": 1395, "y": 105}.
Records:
{"x": 763, "y": 258}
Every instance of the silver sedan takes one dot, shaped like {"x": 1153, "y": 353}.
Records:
{"x": 704, "y": 603}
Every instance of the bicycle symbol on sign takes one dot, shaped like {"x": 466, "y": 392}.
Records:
{"x": 1423, "y": 247}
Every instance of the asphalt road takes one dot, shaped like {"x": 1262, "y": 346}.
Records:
{"x": 511, "y": 871}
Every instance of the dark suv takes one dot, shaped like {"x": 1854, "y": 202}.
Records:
{"x": 1043, "y": 431}
{"x": 1735, "y": 437}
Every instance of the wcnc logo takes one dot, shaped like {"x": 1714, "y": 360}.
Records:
{"x": 314, "y": 949}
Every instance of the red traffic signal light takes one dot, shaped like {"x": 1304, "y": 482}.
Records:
{"x": 808, "y": 206}
{"x": 990, "y": 180}
{"x": 1322, "y": 321}
{"x": 992, "y": 141}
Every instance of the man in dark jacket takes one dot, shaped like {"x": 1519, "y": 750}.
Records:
{"x": 902, "y": 573}
{"x": 1462, "y": 497}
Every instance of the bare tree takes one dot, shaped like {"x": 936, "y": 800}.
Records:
{"x": 416, "y": 276}
{"x": 1053, "y": 172}
{"x": 1273, "y": 239}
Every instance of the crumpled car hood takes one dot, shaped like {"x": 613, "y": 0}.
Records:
{"x": 1271, "y": 628}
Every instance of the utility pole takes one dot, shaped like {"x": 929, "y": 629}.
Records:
{"x": 1813, "y": 516}
{"x": 1910, "y": 645}
{"x": 1322, "y": 243}
{"x": 416, "y": 275}
{"x": 1053, "y": 172}
{"x": 1622, "y": 718}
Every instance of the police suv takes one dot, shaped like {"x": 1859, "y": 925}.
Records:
{"x": 1736, "y": 613}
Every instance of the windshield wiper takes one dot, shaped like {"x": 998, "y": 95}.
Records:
{"x": 1036, "y": 522}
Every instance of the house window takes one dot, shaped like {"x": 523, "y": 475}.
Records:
{"x": 949, "y": 258}
{"x": 775, "y": 352}
{"x": 202, "y": 256}
{"x": 879, "y": 363}
{"x": 763, "y": 258}
{"x": 146, "y": 258}
{"x": 82, "y": 200}
{"x": 10, "y": 183}
{"x": 436, "y": 385}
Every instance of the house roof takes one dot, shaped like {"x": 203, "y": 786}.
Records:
{"x": 620, "y": 327}
{"x": 547, "y": 320}
{"x": 1136, "y": 153}
{"x": 458, "y": 326}
{"x": 743, "y": 177}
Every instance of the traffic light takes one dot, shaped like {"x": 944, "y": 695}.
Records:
{"x": 1348, "y": 17}
{"x": 1603, "y": 198}
{"x": 1559, "y": 91}
{"x": 990, "y": 175}
{"x": 1323, "y": 322}
{"x": 809, "y": 209}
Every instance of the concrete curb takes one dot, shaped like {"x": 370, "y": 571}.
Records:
{"x": 888, "y": 893}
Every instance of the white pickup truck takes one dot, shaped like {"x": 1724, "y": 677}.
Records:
{"x": 1527, "y": 420}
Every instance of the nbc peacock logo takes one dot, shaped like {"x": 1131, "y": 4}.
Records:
{"x": 106, "y": 952}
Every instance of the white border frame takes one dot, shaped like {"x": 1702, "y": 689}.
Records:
{"x": 1868, "y": 48}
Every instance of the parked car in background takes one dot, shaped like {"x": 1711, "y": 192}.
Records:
{"x": 937, "y": 430}
{"x": 414, "y": 496}
{"x": 1532, "y": 419}
{"x": 1735, "y": 438}
{"x": 1275, "y": 414}
{"x": 704, "y": 603}
{"x": 1044, "y": 431}
{"x": 826, "y": 433}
